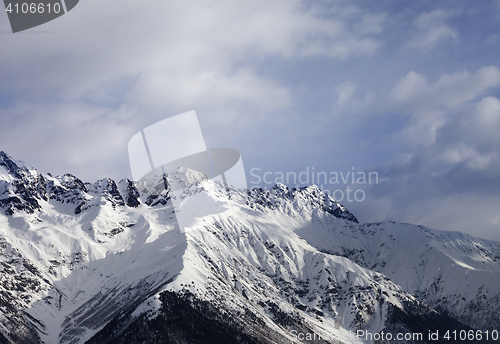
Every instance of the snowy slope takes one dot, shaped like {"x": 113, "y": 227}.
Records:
{"x": 450, "y": 271}
{"x": 97, "y": 262}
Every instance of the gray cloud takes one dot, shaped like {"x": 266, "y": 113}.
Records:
{"x": 453, "y": 182}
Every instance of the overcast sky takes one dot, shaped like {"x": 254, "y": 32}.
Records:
{"x": 407, "y": 89}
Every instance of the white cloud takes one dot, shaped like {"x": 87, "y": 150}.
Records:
{"x": 449, "y": 90}
{"x": 129, "y": 38}
{"x": 410, "y": 87}
{"x": 244, "y": 90}
{"x": 461, "y": 152}
{"x": 345, "y": 91}
{"x": 488, "y": 111}
{"x": 430, "y": 103}
{"x": 483, "y": 121}
{"x": 432, "y": 29}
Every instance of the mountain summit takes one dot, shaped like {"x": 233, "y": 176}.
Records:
{"x": 107, "y": 263}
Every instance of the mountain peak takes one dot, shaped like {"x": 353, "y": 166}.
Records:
{"x": 183, "y": 177}
{"x": 13, "y": 166}
{"x": 9, "y": 164}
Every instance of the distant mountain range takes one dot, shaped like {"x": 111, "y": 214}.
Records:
{"x": 107, "y": 263}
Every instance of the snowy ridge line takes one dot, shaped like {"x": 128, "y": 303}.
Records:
{"x": 23, "y": 188}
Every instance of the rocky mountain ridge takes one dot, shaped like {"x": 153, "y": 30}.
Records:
{"x": 106, "y": 262}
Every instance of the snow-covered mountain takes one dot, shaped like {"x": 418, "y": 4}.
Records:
{"x": 107, "y": 263}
